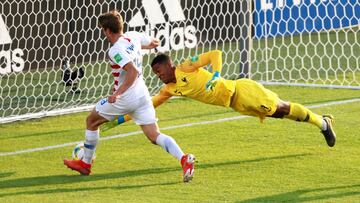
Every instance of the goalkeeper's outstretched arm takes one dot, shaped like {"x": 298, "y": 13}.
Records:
{"x": 212, "y": 58}
{"x": 157, "y": 100}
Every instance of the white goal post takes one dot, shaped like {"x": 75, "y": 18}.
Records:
{"x": 53, "y": 55}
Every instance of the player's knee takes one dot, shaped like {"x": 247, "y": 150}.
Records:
{"x": 283, "y": 109}
{"x": 92, "y": 123}
{"x": 151, "y": 131}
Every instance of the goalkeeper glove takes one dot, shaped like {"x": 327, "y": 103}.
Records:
{"x": 112, "y": 124}
{"x": 211, "y": 83}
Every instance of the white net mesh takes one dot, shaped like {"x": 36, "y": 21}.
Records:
{"x": 53, "y": 56}
{"x": 313, "y": 42}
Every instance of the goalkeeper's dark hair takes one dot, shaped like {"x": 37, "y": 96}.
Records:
{"x": 160, "y": 58}
{"x": 111, "y": 20}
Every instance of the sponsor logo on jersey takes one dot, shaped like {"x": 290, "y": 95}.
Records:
{"x": 130, "y": 49}
{"x": 103, "y": 101}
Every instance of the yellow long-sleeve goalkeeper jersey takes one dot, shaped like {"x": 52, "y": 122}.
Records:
{"x": 191, "y": 79}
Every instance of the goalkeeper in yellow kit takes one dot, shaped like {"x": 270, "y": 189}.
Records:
{"x": 246, "y": 96}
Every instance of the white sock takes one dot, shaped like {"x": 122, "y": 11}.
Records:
{"x": 324, "y": 125}
{"x": 91, "y": 140}
{"x": 170, "y": 145}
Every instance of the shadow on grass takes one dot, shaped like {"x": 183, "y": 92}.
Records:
{"x": 298, "y": 195}
{"x": 65, "y": 179}
{"x": 87, "y": 189}
{"x": 3, "y": 175}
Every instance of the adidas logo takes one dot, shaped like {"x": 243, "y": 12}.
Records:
{"x": 175, "y": 38}
{"x": 155, "y": 15}
{"x": 12, "y": 59}
{"x": 4, "y": 33}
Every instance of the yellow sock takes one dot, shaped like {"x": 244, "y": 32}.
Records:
{"x": 300, "y": 113}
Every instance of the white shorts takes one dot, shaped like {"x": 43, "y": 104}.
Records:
{"x": 141, "y": 110}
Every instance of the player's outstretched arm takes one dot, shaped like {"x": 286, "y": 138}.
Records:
{"x": 157, "y": 100}
{"x": 212, "y": 82}
{"x": 212, "y": 58}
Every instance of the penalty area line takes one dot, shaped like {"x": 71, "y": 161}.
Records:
{"x": 25, "y": 151}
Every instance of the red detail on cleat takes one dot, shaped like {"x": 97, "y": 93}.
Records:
{"x": 187, "y": 163}
{"x": 79, "y": 166}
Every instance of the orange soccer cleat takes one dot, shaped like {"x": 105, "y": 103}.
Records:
{"x": 187, "y": 163}
{"x": 79, "y": 166}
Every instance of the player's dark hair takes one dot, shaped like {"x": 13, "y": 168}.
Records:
{"x": 160, "y": 58}
{"x": 111, "y": 20}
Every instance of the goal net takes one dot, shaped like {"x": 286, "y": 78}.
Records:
{"x": 307, "y": 42}
{"x": 53, "y": 55}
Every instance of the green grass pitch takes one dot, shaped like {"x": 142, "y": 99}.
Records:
{"x": 238, "y": 161}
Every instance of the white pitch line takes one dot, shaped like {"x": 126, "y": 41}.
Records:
{"x": 165, "y": 128}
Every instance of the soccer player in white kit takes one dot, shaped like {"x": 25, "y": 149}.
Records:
{"x": 130, "y": 96}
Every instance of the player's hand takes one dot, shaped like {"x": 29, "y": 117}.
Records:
{"x": 112, "y": 98}
{"x": 153, "y": 44}
{"x": 211, "y": 83}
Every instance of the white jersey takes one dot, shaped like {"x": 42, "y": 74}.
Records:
{"x": 128, "y": 49}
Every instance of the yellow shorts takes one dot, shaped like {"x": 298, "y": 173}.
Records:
{"x": 253, "y": 99}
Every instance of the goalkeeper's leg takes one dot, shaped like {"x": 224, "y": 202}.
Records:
{"x": 298, "y": 112}
{"x": 112, "y": 124}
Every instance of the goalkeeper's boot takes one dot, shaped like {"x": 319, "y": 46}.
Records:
{"x": 187, "y": 163}
{"x": 79, "y": 166}
{"x": 329, "y": 133}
